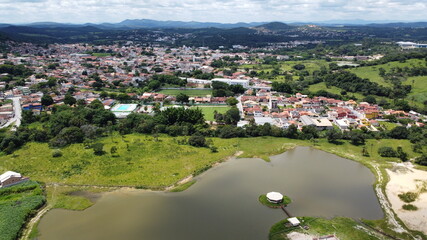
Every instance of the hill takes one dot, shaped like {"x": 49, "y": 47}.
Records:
{"x": 147, "y": 23}
{"x": 275, "y": 26}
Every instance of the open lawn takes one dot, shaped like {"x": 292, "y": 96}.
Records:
{"x": 208, "y": 111}
{"x": 419, "y": 90}
{"x": 189, "y": 92}
{"x": 101, "y": 54}
{"x": 372, "y": 72}
{"x": 332, "y": 89}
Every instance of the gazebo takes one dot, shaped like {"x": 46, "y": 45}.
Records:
{"x": 274, "y": 197}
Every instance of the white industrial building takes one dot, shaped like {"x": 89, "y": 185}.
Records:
{"x": 244, "y": 83}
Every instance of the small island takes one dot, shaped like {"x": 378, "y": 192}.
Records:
{"x": 274, "y": 199}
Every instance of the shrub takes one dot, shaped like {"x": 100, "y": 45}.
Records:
{"x": 408, "y": 197}
{"x": 410, "y": 207}
{"x": 56, "y": 153}
{"x": 113, "y": 150}
{"x": 98, "y": 148}
{"x": 422, "y": 160}
{"x": 401, "y": 154}
{"x": 197, "y": 141}
{"x": 213, "y": 149}
{"x": 386, "y": 152}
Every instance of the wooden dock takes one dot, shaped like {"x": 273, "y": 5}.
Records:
{"x": 286, "y": 211}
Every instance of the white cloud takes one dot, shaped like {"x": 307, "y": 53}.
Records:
{"x": 80, "y": 11}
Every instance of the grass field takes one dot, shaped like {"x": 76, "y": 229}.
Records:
{"x": 419, "y": 90}
{"x": 142, "y": 161}
{"x": 372, "y": 72}
{"x": 310, "y": 66}
{"x": 344, "y": 228}
{"x": 332, "y": 89}
{"x": 101, "y": 54}
{"x": 189, "y": 92}
{"x": 208, "y": 111}
{"x": 17, "y": 204}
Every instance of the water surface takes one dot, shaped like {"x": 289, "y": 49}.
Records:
{"x": 223, "y": 204}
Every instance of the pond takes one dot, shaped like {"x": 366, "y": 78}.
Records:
{"x": 223, "y": 204}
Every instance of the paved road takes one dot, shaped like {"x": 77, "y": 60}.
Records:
{"x": 17, "y": 114}
{"x": 240, "y": 105}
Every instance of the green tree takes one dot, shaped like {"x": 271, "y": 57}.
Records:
{"x": 46, "y": 100}
{"x": 232, "y": 116}
{"x": 399, "y": 132}
{"x": 401, "y": 154}
{"x": 386, "y": 152}
{"x": 182, "y": 98}
{"x": 422, "y": 160}
{"x": 357, "y": 138}
{"x": 103, "y": 95}
{"x": 70, "y": 100}
{"x": 232, "y": 101}
{"x": 309, "y": 132}
{"x": 333, "y": 135}
{"x": 370, "y": 99}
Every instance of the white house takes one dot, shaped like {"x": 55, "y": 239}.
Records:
{"x": 294, "y": 221}
{"x": 343, "y": 124}
{"x": 10, "y": 178}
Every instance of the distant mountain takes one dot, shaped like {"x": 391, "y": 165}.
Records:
{"x": 275, "y": 26}
{"x": 147, "y": 23}
{"x": 50, "y": 25}
{"x": 50, "y": 34}
{"x": 129, "y": 24}
{"x": 401, "y": 24}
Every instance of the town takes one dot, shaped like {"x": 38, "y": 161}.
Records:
{"x": 114, "y": 75}
{"x": 309, "y": 126}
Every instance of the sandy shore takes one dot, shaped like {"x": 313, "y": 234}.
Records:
{"x": 404, "y": 178}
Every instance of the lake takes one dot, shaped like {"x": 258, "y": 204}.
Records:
{"x": 223, "y": 204}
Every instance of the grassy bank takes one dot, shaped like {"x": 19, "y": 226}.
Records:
{"x": 353, "y": 152}
{"x": 17, "y": 204}
{"x": 343, "y": 228}
{"x": 183, "y": 187}
{"x": 144, "y": 161}
{"x": 140, "y": 161}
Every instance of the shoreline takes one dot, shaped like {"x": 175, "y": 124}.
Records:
{"x": 32, "y": 222}
{"x": 405, "y": 178}
{"x": 379, "y": 186}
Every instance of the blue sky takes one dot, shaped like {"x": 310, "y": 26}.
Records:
{"x": 227, "y": 11}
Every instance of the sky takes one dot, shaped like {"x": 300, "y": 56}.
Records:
{"x": 225, "y": 11}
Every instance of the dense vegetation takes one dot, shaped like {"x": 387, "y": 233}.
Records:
{"x": 17, "y": 204}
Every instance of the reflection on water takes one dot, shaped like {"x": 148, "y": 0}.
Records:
{"x": 223, "y": 204}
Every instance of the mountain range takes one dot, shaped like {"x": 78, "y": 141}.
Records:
{"x": 148, "y": 23}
